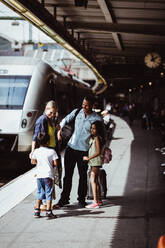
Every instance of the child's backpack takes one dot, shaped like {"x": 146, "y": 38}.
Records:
{"x": 106, "y": 155}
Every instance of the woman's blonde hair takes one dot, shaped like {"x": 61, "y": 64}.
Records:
{"x": 51, "y": 104}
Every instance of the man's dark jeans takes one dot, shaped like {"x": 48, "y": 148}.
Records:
{"x": 70, "y": 159}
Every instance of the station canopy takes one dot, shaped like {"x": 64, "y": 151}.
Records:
{"x": 122, "y": 39}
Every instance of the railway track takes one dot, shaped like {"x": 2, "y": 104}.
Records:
{"x": 12, "y": 167}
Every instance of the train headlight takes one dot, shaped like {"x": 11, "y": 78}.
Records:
{"x": 24, "y": 123}
{"x": 29, "y": 114}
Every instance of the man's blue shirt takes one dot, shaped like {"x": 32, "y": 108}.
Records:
{"x": 80, "y": 137}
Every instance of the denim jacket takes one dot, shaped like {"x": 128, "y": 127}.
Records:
{"x": 40, "y": 126}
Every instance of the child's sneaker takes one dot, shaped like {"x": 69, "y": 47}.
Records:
{"x": 50, "y": 215}
{"x": 100, "y": 203}
{"x": 37, "y": 213}
{"x": 93, "y": 205}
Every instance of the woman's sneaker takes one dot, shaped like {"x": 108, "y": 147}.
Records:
{"x": 100, "y": 203}
{"x": 93, "y": 205}
{"x": 36, "y": 213}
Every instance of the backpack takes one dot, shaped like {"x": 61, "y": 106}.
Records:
{"x": 67, "y": 131}
{"x": 106, "y": 155}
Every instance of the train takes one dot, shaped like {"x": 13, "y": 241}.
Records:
{"x": 26, "y": 84}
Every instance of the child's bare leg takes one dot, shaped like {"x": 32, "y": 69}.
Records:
{"x": 49, "y": 205}
{"x": 37, "y": 209}
{"x": 98, "y": 189}
{"x": 98, "y": 192}
{"x": 38, "y": 203}
{"x": 94, "y": 182}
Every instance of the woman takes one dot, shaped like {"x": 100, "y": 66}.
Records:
{"x": 48, "y": 124}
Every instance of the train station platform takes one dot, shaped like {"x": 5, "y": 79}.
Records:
{"x": 133, "y": 214}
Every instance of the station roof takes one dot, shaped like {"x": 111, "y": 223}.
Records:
{"x": 114, "y": 36}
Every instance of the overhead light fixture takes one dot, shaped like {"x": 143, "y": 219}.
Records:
{"x": 59, "y": 40}
{"x": 102, "y": 90}
{"x": 68, "y": 47}
{"x": 76, "y": 53}
{"x": 16, "y": 5}
{"x": 162, "y": 74}
{"x": 48, "y": 30}
{"x": 20, "y": 9}
{"x": 33, "y": 18}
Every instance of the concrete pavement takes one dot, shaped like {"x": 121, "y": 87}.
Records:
{"x": 133, "y": 215}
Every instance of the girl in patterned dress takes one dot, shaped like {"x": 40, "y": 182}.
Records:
{"x": 95, "y": 161}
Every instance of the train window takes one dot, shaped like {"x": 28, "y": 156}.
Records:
{"x": 13, "y": 91}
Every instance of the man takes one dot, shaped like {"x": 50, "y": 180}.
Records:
{"x": 106, "y": 117}
{"x": 77, "y": 148}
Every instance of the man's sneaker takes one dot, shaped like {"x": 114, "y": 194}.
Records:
{"x": 37, "y": 213}
{"x": 50, "y": 215}
{"x": 100, "y": 203}
{"x": 82, "y": 204}
{"x": 60, "y": 204}
{"x": 93, "y": 205}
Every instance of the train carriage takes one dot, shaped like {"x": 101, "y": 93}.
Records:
{"x": 26, "y": 84}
